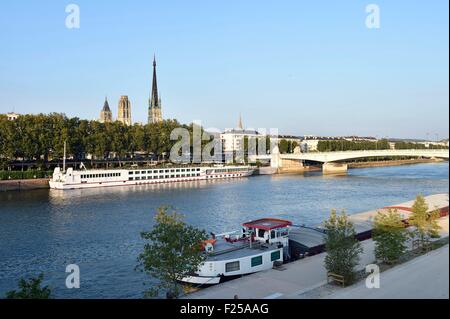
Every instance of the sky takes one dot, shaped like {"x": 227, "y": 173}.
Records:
{"x": 303, "y": 67}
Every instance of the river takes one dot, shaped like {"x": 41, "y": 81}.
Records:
{"x": 99, "y": 229}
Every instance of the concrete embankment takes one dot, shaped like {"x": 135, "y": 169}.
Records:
{"x": 392, "y": 163}
{"x": 23, "y": 184}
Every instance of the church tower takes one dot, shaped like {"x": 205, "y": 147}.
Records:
{"x": 124, "y": 114}
{"x": 154, "y": 103}
{"x": 106, "y": 114}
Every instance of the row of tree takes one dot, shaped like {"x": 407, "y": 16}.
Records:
{"x": 41, "y": 137}
{"x": 344, "y": 145}
{"x": 417, "y": 146}
{"x": 389, "y": 233}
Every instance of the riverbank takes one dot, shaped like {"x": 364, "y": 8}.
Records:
{"x": 24, "y": 184}
{"x": 302, "y": 279}
{"x": 393, "y": 163}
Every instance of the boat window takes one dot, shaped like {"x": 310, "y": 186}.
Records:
{"x": 256, "y": 261}
{"x": 131, "y": 172}
{"x": 272, "y": 234}
{"x": 275, "y": 255}
{"x": 131, "y": 178}
{"x": 143, "y": 172}
{"x": 143, "y": 177}
{"x": 198, "y": 169}
{"x": 261, "y": 233}
{"x": 232, "y": 266}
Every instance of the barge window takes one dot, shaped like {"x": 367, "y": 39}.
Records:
{"x": 256, "y": 261}
{"x": 275, "y": 255}
{"x": 232, "y": 266}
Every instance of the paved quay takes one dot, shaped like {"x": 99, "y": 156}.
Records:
{"x": 296, "y": 279}
{"x": 425, "y": 277}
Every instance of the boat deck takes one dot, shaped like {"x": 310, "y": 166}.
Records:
{"x": 224, "y": 250}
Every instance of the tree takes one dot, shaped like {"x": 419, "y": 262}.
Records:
{"x": 390, "y": 235}
{"x": 173, "y": 252}
{"x": 283, "y": 146}
{"x": 30, "y": 289}
{"x": 341, "y": 245}
{"x": 424, "y": 223}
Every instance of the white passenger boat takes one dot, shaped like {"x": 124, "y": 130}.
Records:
{"x": 74, "y": 179}
{"x": 260, "y": 244}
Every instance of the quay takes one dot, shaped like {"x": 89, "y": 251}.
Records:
{"x": 297, "y": 279}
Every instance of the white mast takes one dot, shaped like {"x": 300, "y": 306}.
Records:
{"x": 64, "y": 158}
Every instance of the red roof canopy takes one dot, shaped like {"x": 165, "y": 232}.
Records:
{"x": 268, "y": 223}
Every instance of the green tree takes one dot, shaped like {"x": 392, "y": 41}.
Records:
{"x": 341, "y": 245}
{"x": 171, "y": 253}
{"x": 424, "y": 222}
{"x": 283, "y": 146}
{"x": 390, "y": 235}
{"x": 30, "y": 289}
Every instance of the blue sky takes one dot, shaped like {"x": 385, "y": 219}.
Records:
{"x": 304, "y": 67}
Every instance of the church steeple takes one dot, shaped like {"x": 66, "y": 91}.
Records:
{"x": 240, "y": 125}
{"x": 155, "y": 100}
{"x": 154, "y": 107}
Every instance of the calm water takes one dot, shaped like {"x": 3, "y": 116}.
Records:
{"x": 98, "y": 229}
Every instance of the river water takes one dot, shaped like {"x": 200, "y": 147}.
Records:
{"x": 99, "y": 229}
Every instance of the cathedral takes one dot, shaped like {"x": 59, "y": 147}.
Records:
{"x": 124, "y": 110}
{"x": 106, "y": 114}
{"x": 154, "y": 102}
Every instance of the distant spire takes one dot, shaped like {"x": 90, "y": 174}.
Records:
{"x": 240, "y": 126}
{"x": 154, "y": 97}
{"x": 106, "y": 105}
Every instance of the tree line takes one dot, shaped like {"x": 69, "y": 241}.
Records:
{"x": 417, "y": 146}
{"x": 42, "y": 137}
{"x": 344, "y": 145}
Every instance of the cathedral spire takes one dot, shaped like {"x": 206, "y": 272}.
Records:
{"x": 154, "y": 98}
{"x": 154, "y": 107}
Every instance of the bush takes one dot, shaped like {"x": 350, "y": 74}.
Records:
{"x": 31, "y": 174}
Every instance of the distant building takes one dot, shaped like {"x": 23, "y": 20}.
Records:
{"x": 233, "y": 139}
{"x": 124, "y": 114}
{"x": 12, "y": 116}
{"x": 106, "y": 114}
{"x": 154, "y": 103}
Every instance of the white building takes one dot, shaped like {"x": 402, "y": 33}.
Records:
{"x": 12, "y": 116}
{"x": 233, "y": 139}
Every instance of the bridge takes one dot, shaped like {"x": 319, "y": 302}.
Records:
{"x": 330, "y": 160}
